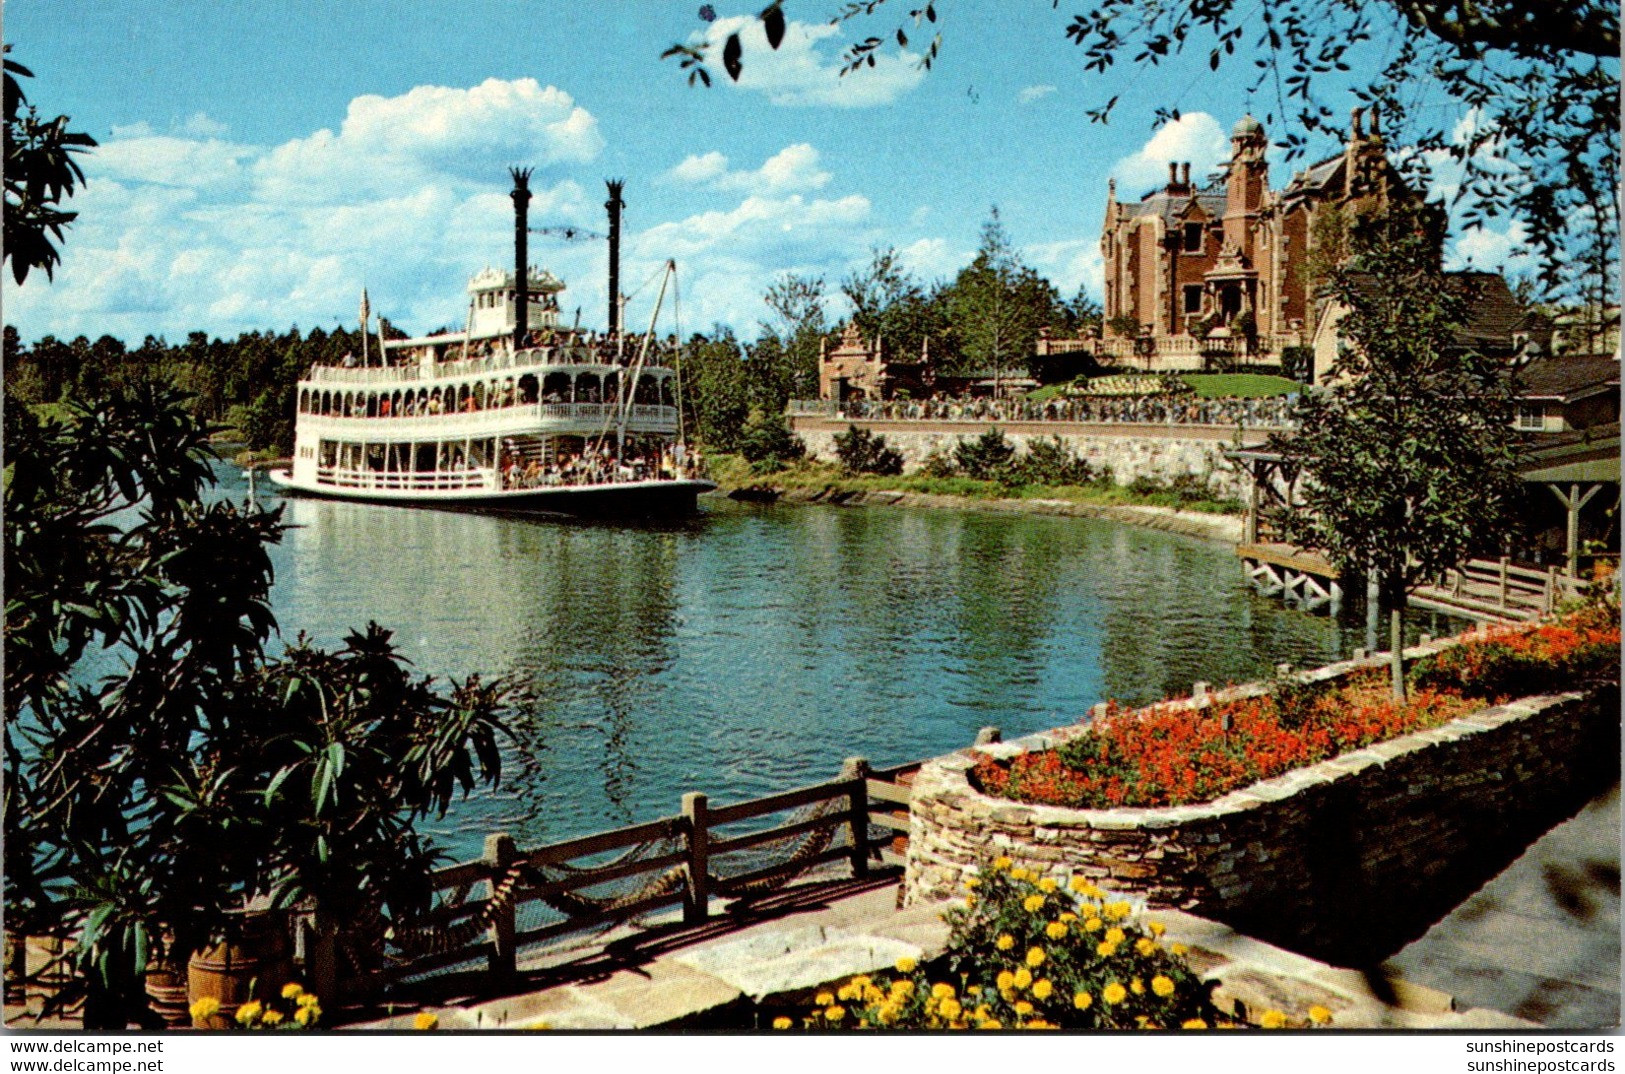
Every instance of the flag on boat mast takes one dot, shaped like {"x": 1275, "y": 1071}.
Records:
{"x": 366, "y": 315}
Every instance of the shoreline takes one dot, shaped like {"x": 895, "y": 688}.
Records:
{"x": 1220, "y": 529}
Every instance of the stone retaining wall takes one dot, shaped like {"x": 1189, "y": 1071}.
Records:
{"x": 1346, "y": 860}
{"x": 1131, "y": 451}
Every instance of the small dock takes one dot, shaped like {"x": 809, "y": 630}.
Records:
{"x": 1301, "y": 578}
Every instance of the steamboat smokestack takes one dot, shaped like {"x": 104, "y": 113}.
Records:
{"x": 614, "y": 205}
{"x": 521, "y": 254}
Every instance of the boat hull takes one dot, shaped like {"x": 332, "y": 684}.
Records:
{"x": 626, "y": 499}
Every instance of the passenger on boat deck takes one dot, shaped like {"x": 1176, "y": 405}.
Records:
{"x": 348, "y": 362}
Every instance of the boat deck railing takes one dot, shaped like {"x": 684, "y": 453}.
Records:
{"x": 505, "y": 361}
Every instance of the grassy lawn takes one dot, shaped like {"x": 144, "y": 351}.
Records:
{"x": 732, "y": 472}
{"x": 1239, "y": 385}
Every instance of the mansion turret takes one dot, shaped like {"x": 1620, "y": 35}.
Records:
{"x": 1229, "y": 272}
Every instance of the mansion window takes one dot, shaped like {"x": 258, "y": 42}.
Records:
{"x": 1531, "y": 416}
{"x": 1193, "y": 238}
{"x": 1193, "y": 298}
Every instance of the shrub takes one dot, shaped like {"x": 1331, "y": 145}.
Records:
{"x": 1051, "y": 462}
{"x": 862, "y": 452}
{"x": 938, "y": 465}
{"x": 987, "y": 458}
{"x": 767, "y": 443}
{"x": 1024, "y": 952}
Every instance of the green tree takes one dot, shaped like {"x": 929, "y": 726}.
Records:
{"x": 862, "y": 452}
{"x": 891, "y": 307}
{"x": 160, "y": 769}
{"x": 996, "y": 305}
{"x": 40, "y": 173}
{"x": 716, "y": 394}
{"x": 798, "y": 326}
{"x": 1408, "y": 463}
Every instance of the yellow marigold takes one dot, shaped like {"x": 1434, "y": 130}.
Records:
{"x": 1077, "y": 883}
{"x": 972, "y": 883}
{"x": 1022, "y": 1007}
{"x": 1145, "y": 946}
{"x": 1178, "y": 949}
{"x": 848, "y": 992}
{"x": 1035, "y": 957}
{"x": 1105, "y": 950}
{"x": 872, "y": 995}
{"x": 308, "y": 1015}
{"x": 1005, "y": 981}
{"x": 1069, "y": 916}
{"x": 1193, "y": 1023}
{"x": 942, "y": 990}
{"x": 1033, "y": 903}
{"x": 970, "y": 902}
{"x": 950, "y": 1008}
{"x": 1039, "y": 1023}
{"x": 1005, "y": 941}
{"x": 1024, "y": 977}
{"x": 824, "y": 999}
{"x": 835, "y": 1013}
{"x": 204, "y": 1008}
{"x": 1114, "y": 993}
{"x": 308, "y": 999}
{"x": 1002, "y": 862}
{"x": 271, "y": 1017}
{"x": 1082, "y": 1000}
{"x": 902, "y": 988}
{"x": 1156, "y": 928}
{"x": 292, "y": 990}
{"x": 248, "y": 1012}
{"x": 1115, "y": 935}
{"x": 862, "y": 980}
{"x": 1162, "y": 986}
{"x": 1137, "y": 986}
{"x": 1047, "y": 885}
{"x": 1055, "y": 930}
{"x": 427, "y": 1020}
{"x": 1117, "y": 910}
{"x": 781, "y": 1022}
{"x": 1272, "y": 1020}
{"x": 1093, "y": 924}
{"x": 905, "y": 965}
{"x": 990, "y": 1023}
{"x": 1020, "y": 874}
{"x": 888, "y": 1013}
{"x": 1319, "y": 1015}
{"x": 1042, "y": 988}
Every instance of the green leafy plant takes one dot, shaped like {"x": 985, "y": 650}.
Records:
{"x": 862, "y": 452}
{"x": 987, "y": 458}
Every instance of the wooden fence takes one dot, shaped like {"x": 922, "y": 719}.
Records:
{"x": 1500, "y": 589}
{"x": 676, "y": 858}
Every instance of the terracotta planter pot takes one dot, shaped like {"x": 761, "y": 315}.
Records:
{"x": 254, "y": 966}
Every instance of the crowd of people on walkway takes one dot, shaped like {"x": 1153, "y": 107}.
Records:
{"x": 1145, "y": 409}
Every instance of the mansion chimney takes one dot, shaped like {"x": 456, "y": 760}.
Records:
{"x": 521, "y": 255}
{"x": 614, "y": 205}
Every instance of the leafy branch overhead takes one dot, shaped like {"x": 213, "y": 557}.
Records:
{"x": 1536, "y": 135}
{"x": 40, "y": 173}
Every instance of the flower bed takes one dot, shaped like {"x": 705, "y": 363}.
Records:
{"x": 1178, "y": 753}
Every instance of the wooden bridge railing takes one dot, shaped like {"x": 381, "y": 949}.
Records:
{"x": 677, "y": 856}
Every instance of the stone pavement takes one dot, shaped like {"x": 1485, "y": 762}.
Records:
{"x": 1541, "y": 941}
{"x": 740, "y": 979}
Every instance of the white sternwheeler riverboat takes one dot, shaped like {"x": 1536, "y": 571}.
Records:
{"x": 514, "y": 413}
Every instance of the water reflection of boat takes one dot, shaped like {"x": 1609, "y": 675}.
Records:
{"x": 512, "y": 413}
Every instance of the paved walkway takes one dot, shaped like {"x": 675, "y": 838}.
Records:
{"x": 1541, "y": 941}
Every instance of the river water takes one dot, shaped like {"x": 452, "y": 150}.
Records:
{"x": 750, "y": 649}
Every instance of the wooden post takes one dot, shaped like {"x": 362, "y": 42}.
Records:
{"x": 1502, "y": 581}
{"x": 499, "y": 856}
{"x": 1250, "y": 533}
{"x": 1548, "y": 595}
{"x": 856, "y": 770}
{"x": 697, "y": 904}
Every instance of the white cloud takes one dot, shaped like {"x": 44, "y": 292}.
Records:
{"x": 1492, "y": 249}
{"x": 187, "y": 230}
{"x": 1070, "y": 263}
{"x": 1195, "y": 137}
{"x": 1029, "y": 94}
{"x": 804, "y": 72}
{"x": 698, "y": 169}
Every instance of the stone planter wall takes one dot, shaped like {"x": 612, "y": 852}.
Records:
{"x": 1346, "y": 860}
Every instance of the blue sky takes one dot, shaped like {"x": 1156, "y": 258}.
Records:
{"x": 261, "y": 162}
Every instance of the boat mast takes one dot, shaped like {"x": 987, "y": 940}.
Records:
{"x": 627, "y": 397}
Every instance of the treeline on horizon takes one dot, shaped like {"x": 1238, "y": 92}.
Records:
{"x": 985, "y": 320}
